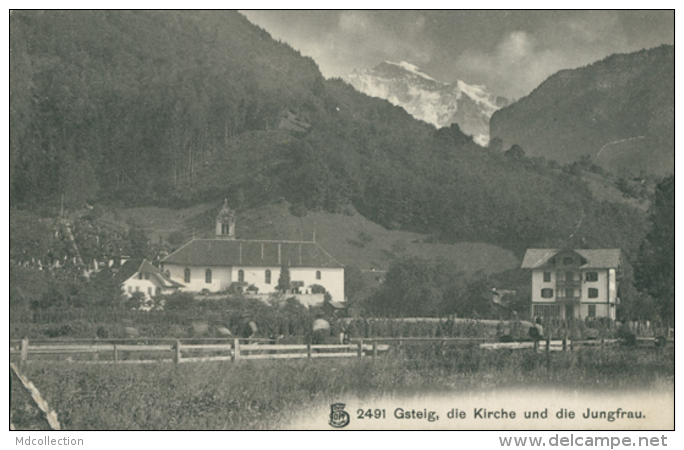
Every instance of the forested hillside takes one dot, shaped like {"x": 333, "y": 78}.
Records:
{"x": 171, "y": 108}
{"x": 619, "y": 111}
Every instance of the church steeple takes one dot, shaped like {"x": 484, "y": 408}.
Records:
{"x": 225, "y": 222}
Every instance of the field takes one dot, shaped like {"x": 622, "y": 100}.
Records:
{"x": 264, "y": 394}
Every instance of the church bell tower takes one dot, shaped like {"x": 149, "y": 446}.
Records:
{"x": 225, "y": 222}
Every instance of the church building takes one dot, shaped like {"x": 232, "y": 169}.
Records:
{"x": 253, "y": 267}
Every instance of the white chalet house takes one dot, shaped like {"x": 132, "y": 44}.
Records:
{"x": 138, "y": 275}
{"x": 253, "y": 266}
{"x": 574, "y": 283}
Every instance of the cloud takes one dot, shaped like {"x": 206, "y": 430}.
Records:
{"x": 361, "y": 39}
{"x": 522, "y": 60}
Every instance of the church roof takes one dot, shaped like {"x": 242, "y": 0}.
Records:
{"x": 601, "y": 258}
{"x": 222, "y": 252}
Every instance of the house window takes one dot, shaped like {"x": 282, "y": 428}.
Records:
{"x": 130, "y": 289}
{"x": 592, "y": 310}
{"x": 318, "y": 274}
{"x": 140, "y": 276}
{"x": 547, "y": 293}
{"x": 137, "y": 289}
{"x": 168, "y": 274}
{"x": 207, "y": 276}
{"x": 241, "y": 276}
{"x": 149, "y": 291}
{"x": 547, "y": 277}
{"x": 567, "y": 261}
{"x": 560, "y": 276}
{"x": 593, "y": 293}
{"x": 267, "y": 276}
{"x": 569, "y": 293}
{"x": 157, "y": 290}
{"x": 592, "y": 276}
{"x": 186, "y": 275}
{"x": 147, "y": 276}
{"x": 569, "y": 276}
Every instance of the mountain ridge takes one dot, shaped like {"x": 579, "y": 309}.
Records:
{"x": 618, "y": 110}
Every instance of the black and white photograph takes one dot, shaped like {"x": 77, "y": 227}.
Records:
{"x": 342, "y": 220}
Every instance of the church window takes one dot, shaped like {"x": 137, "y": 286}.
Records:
{"x": 241, "y": 276}
{"x": 318, "y": 274}
{"x": 207, "y": 276}
{"x": 225, "y": 228}
{"x": 187, "y": 275}
{"x": 267, "y": 277}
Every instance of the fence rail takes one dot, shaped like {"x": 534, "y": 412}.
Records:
{"x": 179, "y": 352}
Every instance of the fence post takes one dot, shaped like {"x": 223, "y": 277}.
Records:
{"x": 177, "y": 355}
{"x": 24, "y": 350}
{"x": 359, "y": 352}
{"x": 116, "y": 354}
{"x": 565, "y": 344}
{"x": 308, "y": 350}
{"x": 548, "y": 343}
{"x": 375, "y": 349}
{"x": 236, "y": 350}
{"x": 536, "y": 345}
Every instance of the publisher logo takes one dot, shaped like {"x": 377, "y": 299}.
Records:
{"x": 339, "y": 418}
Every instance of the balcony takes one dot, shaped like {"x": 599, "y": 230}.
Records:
{"x": 568, "y": 299}
{"x": 568, "y": 284}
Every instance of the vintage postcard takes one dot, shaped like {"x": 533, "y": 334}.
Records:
{"x": 342, "y": 220}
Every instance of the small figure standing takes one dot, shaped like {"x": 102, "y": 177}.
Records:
{"x": 537, "y": 331}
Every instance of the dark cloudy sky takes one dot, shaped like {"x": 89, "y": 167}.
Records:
{"x": 509, "y": 51}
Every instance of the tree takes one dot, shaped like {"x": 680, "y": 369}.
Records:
{"x": 654, "y": 268}
{"x": 284, "y": 279}
{"x": 515, "y": 151}
{"x": 353, "y": 282}
{"x": 139, "y": 241}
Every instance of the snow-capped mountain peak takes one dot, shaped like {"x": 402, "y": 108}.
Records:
{"x": 411, "y": 68}
{"x": 427, "y": 99}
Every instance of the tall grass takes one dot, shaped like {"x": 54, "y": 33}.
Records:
{"x": 260, "y": 394}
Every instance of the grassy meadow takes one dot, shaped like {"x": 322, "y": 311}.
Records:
{"x": 263, "y": 394}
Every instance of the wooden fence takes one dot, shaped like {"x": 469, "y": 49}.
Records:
{"x": 128, "y": 351}
{"x": 541, "y": 345}
{"x": 141, "y": 351}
